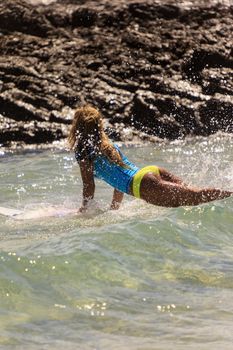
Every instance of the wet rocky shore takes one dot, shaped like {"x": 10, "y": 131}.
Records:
{"x": 157, "y": 70}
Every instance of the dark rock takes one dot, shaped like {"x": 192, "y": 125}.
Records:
{"x": 83, "y": 17}
{"x": 161, "y": 68}
{"x": 149, "y": 11}
{"x": 203, "y": 58}
{"x": 58, "y": 19}
{"x": 17, "y": 15}
{"x": 216, "y": 116}
{"x": 29, "y": 133}
{"x": 156, "y": 123}
{"x": 218, "y": 80}
{"x": 17, "y": 110}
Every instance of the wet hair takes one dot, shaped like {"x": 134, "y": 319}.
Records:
{"x": 87, "y": 131}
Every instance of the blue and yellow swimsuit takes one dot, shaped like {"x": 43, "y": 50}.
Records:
{"x": 115, "y": 175}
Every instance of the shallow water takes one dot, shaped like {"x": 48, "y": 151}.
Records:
{"x": 142, "y": 277}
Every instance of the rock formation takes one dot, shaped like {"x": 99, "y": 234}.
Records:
{"x": 160, "y": 68}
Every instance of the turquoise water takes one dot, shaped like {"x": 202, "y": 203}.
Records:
{"x": 142, "y": 277}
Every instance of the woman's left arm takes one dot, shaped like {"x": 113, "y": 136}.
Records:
{"x": 87, "y": 173}
{"x": 116, "y": 199}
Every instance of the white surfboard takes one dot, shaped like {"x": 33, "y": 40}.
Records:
{"x": 37, "y": 213}
{"x": 10, "y": 212}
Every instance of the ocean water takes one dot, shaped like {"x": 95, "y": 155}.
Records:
{"x": 142, "y": 277}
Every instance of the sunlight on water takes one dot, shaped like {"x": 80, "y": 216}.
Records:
{"x": 142, "y": 277}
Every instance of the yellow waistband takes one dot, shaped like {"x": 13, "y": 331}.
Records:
{"x": 138, "y": 178}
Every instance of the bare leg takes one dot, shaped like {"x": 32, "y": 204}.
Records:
{"x": 167, "y": 176}
{"x": 156, "y": 191}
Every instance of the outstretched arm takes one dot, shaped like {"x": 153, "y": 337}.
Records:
{"x": 116, "y": 199}
{"x": 86, "y": 168}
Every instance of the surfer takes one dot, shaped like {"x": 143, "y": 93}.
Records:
{"x": 99, "y": 157}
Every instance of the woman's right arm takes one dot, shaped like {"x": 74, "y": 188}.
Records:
{"x": 87, "y": 173}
